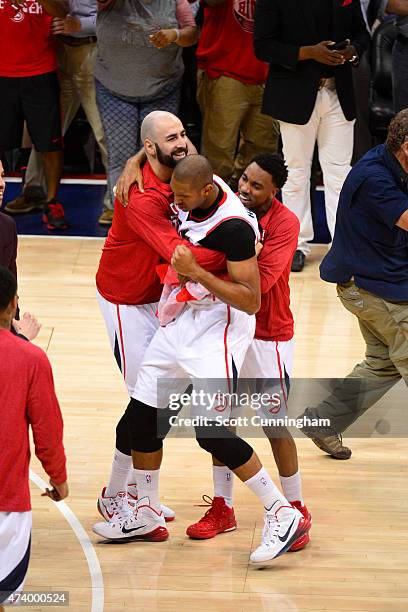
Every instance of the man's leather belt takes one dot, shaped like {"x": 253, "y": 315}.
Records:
{"x": 74, "y": 41}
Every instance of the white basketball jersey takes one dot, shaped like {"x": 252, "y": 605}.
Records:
{"x": 230, "y": 207}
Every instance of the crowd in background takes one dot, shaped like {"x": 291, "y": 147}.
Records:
{"x": 266, "y": 77}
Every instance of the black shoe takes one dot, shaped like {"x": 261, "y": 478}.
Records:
{"x": 298, "y": 262}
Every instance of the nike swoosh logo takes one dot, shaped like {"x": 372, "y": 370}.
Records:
{"x": 124, "y": 530}
{"x": 285, "y": 537}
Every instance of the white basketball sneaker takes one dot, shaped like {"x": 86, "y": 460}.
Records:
{"x": 281, "y": 529}
{"x": 143, "y": 523}
{"x": 168, "y": 513}
{"x": 109, "y": 506}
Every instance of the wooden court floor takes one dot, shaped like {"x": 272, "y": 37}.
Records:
{"x": 357, "y": 558}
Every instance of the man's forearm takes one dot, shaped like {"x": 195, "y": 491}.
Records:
{"x": 235, "y": 294}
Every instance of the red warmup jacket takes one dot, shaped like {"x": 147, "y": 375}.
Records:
{"x": 226, "y": 43}
{"x": 27, "y": 398}
{"x": 142, "y": 236}
{"x": 280, "y": 226}
{"x": 27, "y": 47}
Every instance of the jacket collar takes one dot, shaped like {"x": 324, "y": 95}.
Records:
{"x": 397, "y": 170}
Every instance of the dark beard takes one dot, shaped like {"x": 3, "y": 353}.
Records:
{"x": 168, "y": 160}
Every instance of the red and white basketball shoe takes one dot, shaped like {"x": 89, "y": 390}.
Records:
{"x": 281, "y": 529}
{"x": 143, "y": 523}
{"x": 168, "y": 513}
{"x": 305, "y": 538}
{"x": 219, "y": 518}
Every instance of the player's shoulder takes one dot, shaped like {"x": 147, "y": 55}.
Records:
{"x": 279, "y": 215}
{"x": 23, "y": 349}
{"x": 156, "y": 192}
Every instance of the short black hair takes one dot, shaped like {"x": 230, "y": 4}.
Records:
{"x": 8, "y": 287}
{"x": 194, "y": 170}
{"x": 273, "y": 164}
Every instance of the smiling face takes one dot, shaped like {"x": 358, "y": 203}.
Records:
{"x": 168, "y": 143}
{"x": 256, "y": 187}
{"x": 2, "y": 183}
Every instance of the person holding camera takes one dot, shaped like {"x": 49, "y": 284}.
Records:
{"x": 311, "y": 47}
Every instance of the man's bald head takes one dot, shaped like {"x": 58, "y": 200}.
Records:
{"x": 164, "y": 139}
{"x": 192, "y": 183}
{"x": 194, "y": 170}
{"x": 156, "y": 123}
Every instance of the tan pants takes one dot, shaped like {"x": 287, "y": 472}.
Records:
{"x": 232, "y": 119}
{"x": 77, "y": 88}
{"x": 384, "y": 326}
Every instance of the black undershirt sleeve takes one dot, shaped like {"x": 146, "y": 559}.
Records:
{"x": 234, "y": 237}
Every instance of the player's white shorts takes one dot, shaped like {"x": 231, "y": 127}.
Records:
{"x": 15, "y": 540}
{"x": 268, "y": 365}
{"x": 130, "y": 330}
{"x": 204, "y": 345}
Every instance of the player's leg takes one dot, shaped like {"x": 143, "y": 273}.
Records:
{"x": 270, "y": 364}
{"x": 124, "y": 324}
{"x": 224, "y": 344}
{"x": 142, "y": 421}
{"x": 15, "y": 544}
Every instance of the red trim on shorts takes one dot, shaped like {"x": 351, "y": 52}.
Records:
{"x": 282, "y": 384}
{"x": 226, "y": 347}
{"x": 121, "y": 342}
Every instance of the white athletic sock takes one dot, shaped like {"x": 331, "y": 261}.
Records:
{"x": 121, "y": 466}
{"x": 262, "y": 485}
{"x": 292, "y": 487}
{"x": 147, "y": 482}
{"x": 223, "y": 479}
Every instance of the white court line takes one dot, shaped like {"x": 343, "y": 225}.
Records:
{"x": 36, "y": 236}
{"x": 65, "y": 181}
{"x": 87, "y": 546}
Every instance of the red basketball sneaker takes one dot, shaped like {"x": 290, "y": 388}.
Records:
{"x": 305, "y": 538}
{"x": 218, "y": 519}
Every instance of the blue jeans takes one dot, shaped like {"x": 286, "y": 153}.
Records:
{"x": 121, "y": 120}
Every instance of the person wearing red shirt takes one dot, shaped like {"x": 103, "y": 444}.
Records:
{"x": 128, "y": 288}
{"x": 29, "y": 89}
{"x": 230, "y": 86}
{"x": 270, "y": 355}
{"x": 27, "y": 396}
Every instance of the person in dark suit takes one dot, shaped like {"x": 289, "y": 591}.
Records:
{"x": 310, "y": 91}
{"x": 28, "y": 326}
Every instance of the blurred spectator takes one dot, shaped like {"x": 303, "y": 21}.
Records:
{"x": 76, "y": 51}
{"x": 399, "y": 52}
{"x": 29, "y": 90}
{"x": 310, "y": 90}
{"x": 138, "y": 68}
{"x": 230, "y": 86}
{"x": 369, "y": 263}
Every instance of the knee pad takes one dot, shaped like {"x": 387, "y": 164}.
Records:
{"x": 142, "y": 424}
{"x": 227, "y": 447}
{"x": 123, "y": 437}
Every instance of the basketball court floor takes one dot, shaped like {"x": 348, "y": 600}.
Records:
{"x": 357, "y": 558}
